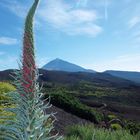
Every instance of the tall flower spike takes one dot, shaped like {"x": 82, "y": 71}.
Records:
{"x": 29, "y": 66}
{"x": 29, "y": 122}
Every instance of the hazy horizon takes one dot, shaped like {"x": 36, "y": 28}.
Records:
{"x": 95, "y": 34}
{"x": 80, "y": 66}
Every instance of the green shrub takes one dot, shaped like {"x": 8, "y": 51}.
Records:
{"x": 111, "y": 117}
{"x": 133, "y": 127}
{"x": 73, "y": 105}
{"x": 80, "y": 132}
{"x": 115, "y": 126}
{"x": 89, "y": 132}
{"x": 72, "y": 138}
{"x": 4, "y": 89}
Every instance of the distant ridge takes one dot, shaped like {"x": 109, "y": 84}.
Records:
{"x": 133, "y": 76}
{"x": 102, "y": 79}
{"x": 61, "y": 65}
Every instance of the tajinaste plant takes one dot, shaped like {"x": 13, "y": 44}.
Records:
{"x": 29, "y": 120}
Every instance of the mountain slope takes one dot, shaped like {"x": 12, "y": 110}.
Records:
{"x": 133, "y": 76}
{"x": 6, "y": 75}
{"x": 61, "y": 65}
{"x": 102, "y": 79}
{"x": 101, "y": 87}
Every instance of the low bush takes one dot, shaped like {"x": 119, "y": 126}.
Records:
{"x": 112, "y": 116}
{"x": 4, "y": 89}
{"x": 115, "y": 126}
{"x": 133, "y": 127}
{"x": 89, "y": 132}
{"x": 73, "y": 105}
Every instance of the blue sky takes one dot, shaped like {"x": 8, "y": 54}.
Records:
{"x": 95, "y": 34}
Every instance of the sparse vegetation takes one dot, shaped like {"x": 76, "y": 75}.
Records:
{"x": 69, "y": 97}
{"x": 89, "y": 132}
{"x": 115, "y": 126}
{"x": 112, "y": 116}
{"x": 133, "y": 127}
{"x": 4, "y": 89}
{"x": 72, "y": 105}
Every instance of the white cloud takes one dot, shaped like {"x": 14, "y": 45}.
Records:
{"x": 61, "y": 15}
{"x": 73, "y": 21}
{"x": 134, "y": 21}
{"x": 8, "y": 41}
{"x": 102, "y": 5}
{"x": 91, "y": 30}
{"x": 125, "y": 62}
{"x": 16, "y": 7}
